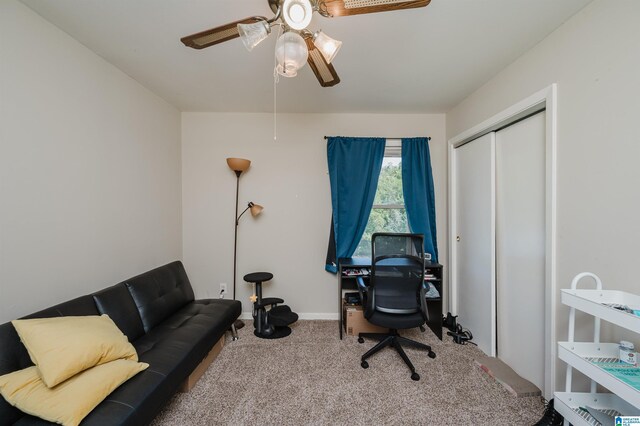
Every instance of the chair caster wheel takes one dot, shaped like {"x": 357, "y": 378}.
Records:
{"x": 432, "y": 354}
{"x": 364, "y": 364}
{"x": 360, "y": 340}
{"x": 415, "y": 377}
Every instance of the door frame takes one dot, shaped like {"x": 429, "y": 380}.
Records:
{"x": 545, "y": 99}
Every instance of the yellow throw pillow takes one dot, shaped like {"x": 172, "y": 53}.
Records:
{"x": 64, "y": 346}
{"x": 70, "y": 401}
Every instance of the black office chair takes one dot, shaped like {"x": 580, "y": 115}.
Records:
{"x": 395, "y": 296}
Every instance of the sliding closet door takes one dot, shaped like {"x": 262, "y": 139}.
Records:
{"x": 475, "y": 244}
{"x": 520, "y": 246}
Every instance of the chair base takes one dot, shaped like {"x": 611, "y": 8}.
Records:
{"x": 396, "y": 341}
{"x": 277, "y": 333}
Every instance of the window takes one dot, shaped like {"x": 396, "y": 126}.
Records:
{"x": 388, "y": 213}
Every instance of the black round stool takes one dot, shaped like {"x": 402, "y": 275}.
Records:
{"x": 269, "y": 323}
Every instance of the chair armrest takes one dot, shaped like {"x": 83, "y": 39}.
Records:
{"x": 269, "y": 301}
{"x": 423, "y": 301}
{"x": 366, "y": 297}
{"x": 362, "y": 289}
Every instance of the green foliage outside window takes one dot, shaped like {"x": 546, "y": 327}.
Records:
{"x": 385, "y": 219}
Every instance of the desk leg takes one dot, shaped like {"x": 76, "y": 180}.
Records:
{"x": 434, "y": 307}
{"x": 340, "y": 304}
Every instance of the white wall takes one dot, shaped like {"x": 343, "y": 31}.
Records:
{"x": 289, "y": 178}
{"x": 594, "y": 59}
{"x": 89, "y": 169}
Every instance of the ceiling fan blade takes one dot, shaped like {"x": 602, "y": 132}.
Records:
{"x": 218, "y": 35}
{"x": 333, "y": 8}
{"x": 325, "y": 73}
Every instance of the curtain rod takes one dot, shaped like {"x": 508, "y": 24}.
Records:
{"x": 327, "y": 137}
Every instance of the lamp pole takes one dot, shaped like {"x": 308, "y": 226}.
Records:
{"x": 239, "y": 165}
{"x": 235, "y": 237}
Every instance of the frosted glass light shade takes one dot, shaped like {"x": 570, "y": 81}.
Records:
{"x": 297, "y": 13}
{"x": 291, "y": 54}
{"x": 328, "y": 46}
{"x": 238, "y": 164}
{"x": 255, "y": 209}
{"x": 252, "y": 34}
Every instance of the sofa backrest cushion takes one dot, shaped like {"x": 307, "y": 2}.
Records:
{"x": 116, "y": 301}
{"x": 160, "y": 292}
{"x": 13, "y": 354}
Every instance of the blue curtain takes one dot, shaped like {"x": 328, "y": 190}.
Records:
{"x": 417, "y": 189}
{"x": 354, "y": 168}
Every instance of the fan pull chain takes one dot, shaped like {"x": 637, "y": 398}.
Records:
{"x": 276, "y": 79}
{"x": 275, "y": 104}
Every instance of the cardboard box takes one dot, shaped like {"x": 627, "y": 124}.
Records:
{"x": 195, "y": 375}
{"x": 354, "y": 322}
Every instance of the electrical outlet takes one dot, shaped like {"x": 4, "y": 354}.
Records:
{"x": 223, "y": 290}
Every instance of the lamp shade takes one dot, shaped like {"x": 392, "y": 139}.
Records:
{"x": 252, "y": 34}
{"x": 291, "y": 54}
{"x": 328, "y": 46}
{"x": 255, "y": 209}
{"x": 238, "y": 164}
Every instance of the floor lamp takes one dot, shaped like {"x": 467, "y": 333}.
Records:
{"x": 239, "y": 165}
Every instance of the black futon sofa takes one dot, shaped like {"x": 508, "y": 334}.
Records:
{"x": 171, "y": 331}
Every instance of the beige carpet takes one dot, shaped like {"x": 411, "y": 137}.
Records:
{"x": 314, "y": 378}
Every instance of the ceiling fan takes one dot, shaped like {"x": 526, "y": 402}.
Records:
{"x": 297, "y": 44}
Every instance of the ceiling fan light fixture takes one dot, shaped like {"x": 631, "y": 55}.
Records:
{"x": 297, "y": 14}
{"x": 328, "y": 46}
{"x": 291, "y": 54}
{"x": 252, "y": 34}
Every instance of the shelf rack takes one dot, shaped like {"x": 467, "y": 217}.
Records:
{"x": 586, "y": 356}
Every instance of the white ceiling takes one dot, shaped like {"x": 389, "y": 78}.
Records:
{"x": 412, "y": 61}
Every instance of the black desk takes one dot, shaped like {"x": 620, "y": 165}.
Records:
{"x": 348, "y": 282}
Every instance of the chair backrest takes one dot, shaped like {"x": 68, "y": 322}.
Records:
{"x": 397, "y": 273}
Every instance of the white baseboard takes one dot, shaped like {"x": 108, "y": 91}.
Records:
{"x": 302, "y": 316}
